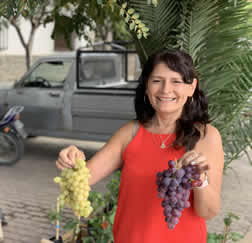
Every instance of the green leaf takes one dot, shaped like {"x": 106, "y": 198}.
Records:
{"x": 122, "y": 12}
{"x": 137, "y": 21}
{"x": 71, "y": 224}
{"x": 127, "y": 18}
{"x": 100, "y": 2}
{"x": 155, "y": 2}
{"x": 227, "y": 221}
{"x": 112, "y": 217}
{"x": 124, "y": 5}
{"x": 135, "y": 16}
{"x": 145, "y": 29}
{"x": 132, "y": 25}
{"x": 145, "y": 35}
{"x": 131, "y": 11}
{"x": 234, "y": 236}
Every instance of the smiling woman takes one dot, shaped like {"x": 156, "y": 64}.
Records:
{"x": 171, "y": 123}
{"x": 167, "y": 92}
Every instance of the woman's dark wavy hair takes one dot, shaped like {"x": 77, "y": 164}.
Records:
{"x": 195, "y": 111}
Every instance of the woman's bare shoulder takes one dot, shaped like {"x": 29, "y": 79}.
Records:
{"x": 211, "y": 136}
{"x": 128, "y": 126}
{"x": 126, "y": 130}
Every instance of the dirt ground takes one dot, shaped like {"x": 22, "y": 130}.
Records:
{"x": 236, "y": 198}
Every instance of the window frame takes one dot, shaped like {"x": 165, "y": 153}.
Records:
{"x": 125, "y": 53}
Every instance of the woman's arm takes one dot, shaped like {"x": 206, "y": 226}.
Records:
{"x": 105, "y": 161}
{"x": 207, "y": 200}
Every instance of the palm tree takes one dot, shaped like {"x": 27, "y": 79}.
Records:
{"x": 214, "y": 33}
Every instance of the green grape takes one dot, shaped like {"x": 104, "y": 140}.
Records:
{"x": 74, "y": 189}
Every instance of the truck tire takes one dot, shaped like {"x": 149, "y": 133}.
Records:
{"x": 11, "y": 148}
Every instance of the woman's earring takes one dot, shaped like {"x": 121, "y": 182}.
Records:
{"x": 191, "y": 100}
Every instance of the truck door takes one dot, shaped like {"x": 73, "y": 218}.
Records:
{"x": 41, "y": 92}
{"x": 102, "y": 100}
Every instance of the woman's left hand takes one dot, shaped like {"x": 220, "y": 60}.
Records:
{"x": 194, "y": 158}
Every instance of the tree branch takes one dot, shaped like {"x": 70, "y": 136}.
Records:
{"x": 20, "y": 35}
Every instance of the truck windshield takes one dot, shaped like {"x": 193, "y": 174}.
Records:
{"x": 49, "y": 74}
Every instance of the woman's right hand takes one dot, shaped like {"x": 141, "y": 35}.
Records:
{"x": 67, "y": 157}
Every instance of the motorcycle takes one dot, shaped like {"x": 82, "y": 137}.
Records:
{"x": 12, "y": 135}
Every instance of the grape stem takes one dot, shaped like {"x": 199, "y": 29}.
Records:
{"x": 57, "y": 221}
{"x": 225, "y": 234}
{"x": 77, "y": 229}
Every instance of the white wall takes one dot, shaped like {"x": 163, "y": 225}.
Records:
{"x": 42, "y": 45}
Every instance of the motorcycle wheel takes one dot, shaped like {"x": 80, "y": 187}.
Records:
{"x": 11, "y": 148}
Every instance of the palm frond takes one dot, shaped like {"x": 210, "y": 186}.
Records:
{"x": 197, "y": 19}
{"x": 226, "y": 65}
{"x": 161, "y": 20}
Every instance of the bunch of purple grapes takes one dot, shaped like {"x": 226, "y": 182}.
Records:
{"x": 174, "y": 187}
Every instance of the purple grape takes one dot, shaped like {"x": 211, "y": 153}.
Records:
{"x": 166, "y": 181}
{"x": 188, "y": 168}
{"x": 167, "y": 173}
{"x": 171, "y": 171}
{"x": 180, "y": 173}
{"x": 188, "y": 175}
{"x": 168, "y": 218}
{"x": 167, "y": 210}
{"x": 174, "y": 187}
{"x": 180, "y": 204}
{"x": 173, "y": 200}
{"x": 161, "y": 194}
{"x": 179, "y": 196}
{"x": 171, "y": 164}
{"x": 174, "y": 182}
{"x": 187, "y": 185}
{"x": 196, "y": 176}
{"x": 180, "y": 188}
{"x": 163, "y": 188}
{"x": 173, "y": 204}
{"x": 171, "y": 193}
{"x": 186, "y": 195}
{"x": 176, "y": 213}
{"x": 187, "y": 204}
{"x": 164, "y": 203}
{"x": 158, "y": 182}
{"x": 195, "y": 169}
{"x": 174, "y": 220}
{"x": 171, "y": 226}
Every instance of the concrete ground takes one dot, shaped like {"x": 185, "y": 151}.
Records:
{"x": 27, "y": 192}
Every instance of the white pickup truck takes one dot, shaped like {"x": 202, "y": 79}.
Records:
{"x": 84, "y": 95}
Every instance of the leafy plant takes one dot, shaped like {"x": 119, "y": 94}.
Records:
{"x": 227, "y": 233}
{"x": 100, "y": 222}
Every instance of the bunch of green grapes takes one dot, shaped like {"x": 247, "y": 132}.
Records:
{"x": 74, "y": 188}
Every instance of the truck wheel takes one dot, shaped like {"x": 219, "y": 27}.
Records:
{"x": 11, "y": 148}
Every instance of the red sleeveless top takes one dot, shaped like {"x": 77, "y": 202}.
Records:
{"x": 139, "y": 216}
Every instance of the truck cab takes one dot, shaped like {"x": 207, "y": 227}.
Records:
{"x": 87, "y": 94}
